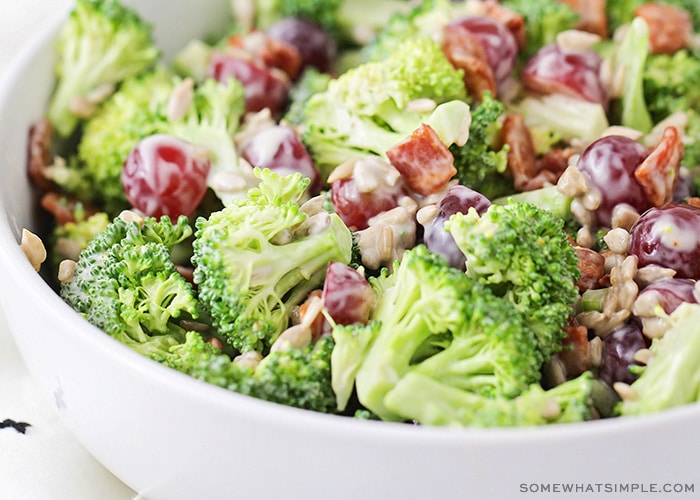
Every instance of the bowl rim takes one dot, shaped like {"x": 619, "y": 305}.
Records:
{"x": 29, "y": 283}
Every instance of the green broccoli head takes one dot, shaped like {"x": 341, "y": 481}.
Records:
{"x": 671, "y": 377}
{"x": 261, "y": 255}
{"x": 311, "y": 82}
{"x": 544, "y": 19}
{"x": 126, "y": 283}
{"x": 298, "y": 377}
{"x": 435, "y": 320}
{"x": 668, "y": 83}
{"x": 481, "y": 164}
{"x": 366, "y": 109}
{"x": 522, "y": 253}
{"x": 431, "y": 402}
{"x": 101, "y": 44}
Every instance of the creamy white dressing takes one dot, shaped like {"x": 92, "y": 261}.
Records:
{"x": 674, "y": 237}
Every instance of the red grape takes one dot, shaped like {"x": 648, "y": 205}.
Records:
{"x": 164, "y": 175}
{"x": 497, "y": 41}
{"x": 669, "y": 236}
{"x": 278, "y": 148}
{"x": 263, "y": 87}
{"x": 574, "y": 73}
{"x": 346, "y": 295}
{"x": 609, "y": 164}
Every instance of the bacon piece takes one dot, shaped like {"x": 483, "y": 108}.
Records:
{"x": 423, "y": 160}
{"x": 39, "y": 153}
{"x": 592, "y": 16}
{"x": 63, "y": 207}
{"x": 574, "y": 355}
{"x": 555, "y": 160}
{"x": 658, "y": 174}
{"x": 269, "y": 52}
{"x": 592, "y": 267}
{"x": 670, "y": 27}
{"x": 465, "y": 52}
{"x": 522, "y": 158}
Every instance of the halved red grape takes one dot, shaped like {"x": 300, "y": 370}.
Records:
{"x": 375, "y": 186}
{"x": 316, "y": 47}
{"x": 669, "y": 236}
{"x": 497, "y": 41}
{"x": 609, "y": 164}
{"x": 164, "y": 175}
{"x": 278, "y": 148}
{"x": 346, "y": 295}
{"x": 263, "y": 87}
{"x": 457, "y": 200}
{"x": 553, "y": 70}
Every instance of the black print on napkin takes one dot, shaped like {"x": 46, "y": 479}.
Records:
{"x": 20, "y": 427}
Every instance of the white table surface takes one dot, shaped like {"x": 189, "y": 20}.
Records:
{"x": 46, "y": 462}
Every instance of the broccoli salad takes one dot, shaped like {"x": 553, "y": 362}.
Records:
{"x": 467, "y": 213}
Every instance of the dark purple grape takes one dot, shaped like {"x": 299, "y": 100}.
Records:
{"x": 619, "y": 347}
{"x": 315, "y": 45}
{"x": 457, "y": 200}
{"x": 668, "y": 236}
{"x": 609, "y": 164}
{"x": 685, "y": 187}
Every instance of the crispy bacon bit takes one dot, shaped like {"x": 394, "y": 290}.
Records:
{"x": 510, "y": 19}
{"x": 592, "y": 16}
{"x": 39, "y": 154}
{"x": 658, "y": 174}
{"x": 592, "y": 267}
{"x": 63, "y": 207}
{"x": 670, "y": 27}
{"x": 423, "y": 160}
{"x": 465, "y": 52}
{"x": 693, "y": 201}
{"x": 269, "y": 52}
{"x": 574, "y": 356}
{"x": 522, "y": 158}
{"x": 555, "y": 160}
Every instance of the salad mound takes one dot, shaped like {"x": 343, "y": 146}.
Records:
{"x": 471, "y": 213}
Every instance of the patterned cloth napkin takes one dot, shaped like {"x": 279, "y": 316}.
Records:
{"x": 39, "y": 458}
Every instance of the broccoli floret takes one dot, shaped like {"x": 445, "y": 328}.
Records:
{"x": 351, "y": 345}
{"x": 140, "y": 109}
{"x": 671, "y": 377}
{"x": 299, "y": 377}
{"x": 548, "y": 198}
{"x": 311, "y": 82}
{"x": 364, "y": 111}
{"x": 544, "y": 19}
{"x": 481, "y": 164}
{"x": 101, "y": 44}
{"x": 434, "y": 320}
{"x": 69, "y": 239}
{"x": 211, "y": 122}
{"x": 260, "y": 256}
{"x": 431, "y": 402}
{"x": 126, "y": 284}
{"x": 522, "y": 253}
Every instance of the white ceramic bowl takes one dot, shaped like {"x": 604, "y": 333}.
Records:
{"x": 168, "y": 436}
